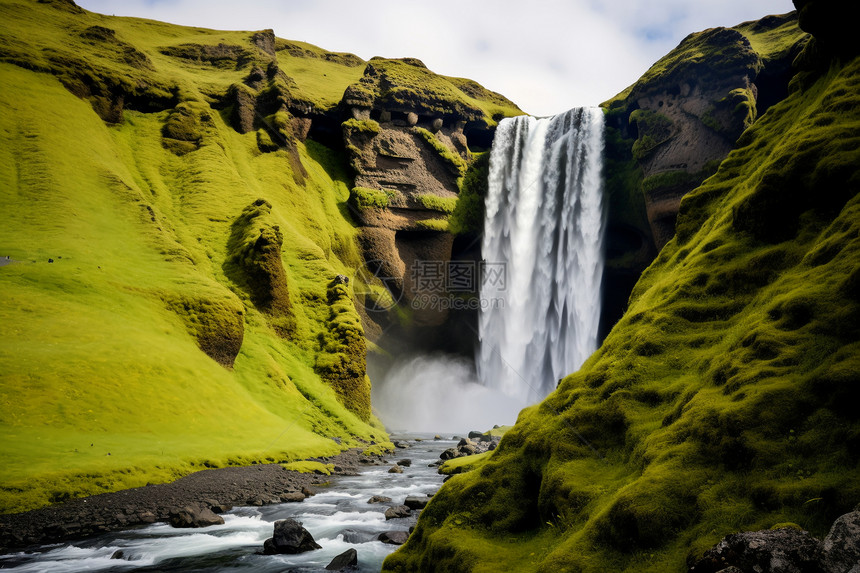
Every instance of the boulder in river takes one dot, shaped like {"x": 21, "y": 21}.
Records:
{"x": 395, "y": 469}
{"x": 289, "y": 537}
{"x": 394, "y": 537}
{"x": 292, "y": 496}
{"x": 413, "y": 502}
{"x": 379, "y": 499}
{"x": 397, "y": 511}
{"x": 406, "y": 462}
{"x": 346, "y": 561}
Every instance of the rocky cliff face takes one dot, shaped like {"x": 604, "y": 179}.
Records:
{"x": 670, "y": 130}
{"x": 409, "y": 141}
{"x": 718, "y": 403}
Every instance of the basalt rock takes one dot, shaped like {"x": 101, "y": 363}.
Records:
{"x": 289, "y": 537}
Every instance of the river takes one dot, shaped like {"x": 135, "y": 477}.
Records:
{"x": 339, "y": 517}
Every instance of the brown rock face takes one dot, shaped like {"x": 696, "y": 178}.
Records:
{"x": 408, "y": 227}
{"x": 686, "y": 113}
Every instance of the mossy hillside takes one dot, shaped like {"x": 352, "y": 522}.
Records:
{"x": 720, "y": 401}
{"x": 136, "y": 339}
{"x": 320, "y": 76}
{"x": 407, "y": 85}
{"x": 468, "y": 214}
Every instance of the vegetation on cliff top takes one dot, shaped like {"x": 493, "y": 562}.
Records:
{"x": 170, "y": 306}
{"x": 724, "y": 398}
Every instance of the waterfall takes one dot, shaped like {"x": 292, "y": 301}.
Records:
{"x": 543, "y": 252}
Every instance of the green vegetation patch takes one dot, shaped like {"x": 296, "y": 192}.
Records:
{"x": 457, "y": 163}
{"x": 468, "y": 214}
{"x": 437, "y": 203}
{"x": 365, "y": 197}
{"x": 309, "y": 467}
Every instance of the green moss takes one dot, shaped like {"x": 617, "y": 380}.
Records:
{"x": 406, "y": 84}
{"x": 309, "y": 467}
{"x": 719, "y": 402}
{"x": 457, "y": 163}
{"x": 363, "y": 197}
{"x": 468, "y": 214}
{"x": 654, "y": 128}
{"x": 364, "y": 126}
{"x": 432, "y": 224}
{"x": 436, "y": 203}
{"x": 463, "y": 464}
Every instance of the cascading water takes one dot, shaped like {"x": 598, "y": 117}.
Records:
{"x": 544, "y": 227}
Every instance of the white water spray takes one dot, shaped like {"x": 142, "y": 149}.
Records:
{"x": 544, "y": 223}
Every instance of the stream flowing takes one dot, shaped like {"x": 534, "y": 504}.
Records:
{"x": 338, "y": 517}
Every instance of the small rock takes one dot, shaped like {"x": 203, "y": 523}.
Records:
{"x": 405, "y": 463}
{"x": 475, "y": 434}
{"x": 308, "y": 491}
{"x": 395, "y": 469}
{"x": 289, "y": 537}
{"x": 379, "y": 499}
{"x": 292, "y": 497}
{"x": 437, "y": 437}
{"x": 394, "y": 537}
{"x": 397, "y": 511}
{"x": 415, "y": 502}
{"x": 412, "y": 118}
{"x": 345, "y": 561}
{"x": 437, "y": 124}
{"x": 467, "y": 450}
{"x": 118, "y": 554}
{"x": 401, "y": 444}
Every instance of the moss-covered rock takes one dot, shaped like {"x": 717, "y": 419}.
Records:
{"x": 255, "y": 263}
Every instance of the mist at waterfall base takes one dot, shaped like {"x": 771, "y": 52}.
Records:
{"x": 440, "y": 394}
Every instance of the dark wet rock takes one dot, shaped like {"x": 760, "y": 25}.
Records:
{"x": 475, "y": 434}
{"x": 308, "y": 491}
{"x": 841, "y": 548}
{"x": 118, "y": 554}
{"x": 413, "y": 502}
{"x": 394, "y": 537}
{"x": 193, "y": 516}
{"x": 346, "y": 561}
{"x": 397, "y": 511}
{"x": 289, "y": 537}
{"x": 379, "y": 499}
{"x": 357, "y": 536}
{"x": 401, "y": 444}
{"x": 785, "y": 550}
{"x": 450, "y": 454}
{"x": 404, "y": 462}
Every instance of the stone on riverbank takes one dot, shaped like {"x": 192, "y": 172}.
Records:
{"x": 193, "y": 516}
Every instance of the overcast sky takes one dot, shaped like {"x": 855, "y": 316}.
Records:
{"x": 545, "y": 55}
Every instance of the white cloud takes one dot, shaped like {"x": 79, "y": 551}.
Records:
{"x": 548, "y": 56}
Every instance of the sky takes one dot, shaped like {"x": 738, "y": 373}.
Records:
{"x": 545, "y": 55}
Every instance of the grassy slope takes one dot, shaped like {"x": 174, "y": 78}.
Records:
{"x": 103, "y": 386}
{"x": 722, "y": 401}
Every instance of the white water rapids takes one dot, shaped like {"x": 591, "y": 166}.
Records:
{"x": 544, "y": 228}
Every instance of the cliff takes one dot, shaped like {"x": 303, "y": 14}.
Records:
{"x": 670, "y": 130}
{"x": 184, "y": 232}
{"x": 722, "y": 401}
